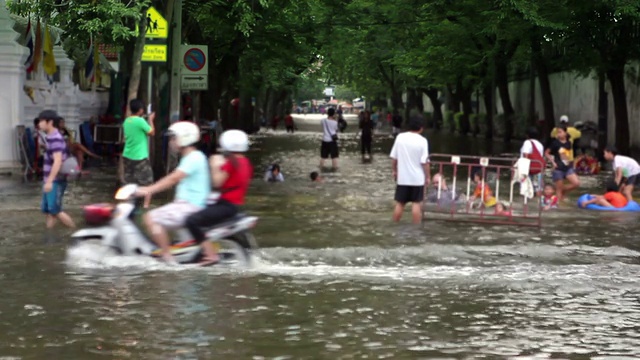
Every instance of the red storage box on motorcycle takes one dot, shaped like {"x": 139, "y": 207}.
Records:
{"x": 98, "y": 214}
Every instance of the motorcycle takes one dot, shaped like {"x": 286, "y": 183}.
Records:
{"x": 114, "y": 227}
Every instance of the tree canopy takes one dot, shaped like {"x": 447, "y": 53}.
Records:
{"x": 267, "y": 53}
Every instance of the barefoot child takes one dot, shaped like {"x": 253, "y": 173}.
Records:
{"x": 549, "y": 199}
{"x": 612, "y": 198}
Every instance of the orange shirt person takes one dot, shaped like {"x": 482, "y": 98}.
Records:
{"x": 482, "y": 192}
{"x": 612, "y": 198}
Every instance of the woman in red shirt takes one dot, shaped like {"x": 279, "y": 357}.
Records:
{"x": 231, "y": 175}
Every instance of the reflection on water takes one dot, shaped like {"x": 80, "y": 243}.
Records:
{"x": 335, "y": 278}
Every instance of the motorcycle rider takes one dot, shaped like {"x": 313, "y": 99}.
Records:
{"x": 231, "y": 175}
{"x": 192, "y": 179}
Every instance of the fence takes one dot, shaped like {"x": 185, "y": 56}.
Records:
{"x": 493, "y": 207}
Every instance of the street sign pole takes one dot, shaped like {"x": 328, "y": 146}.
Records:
{"x": 176, "y": 59}
{"x": 150, "y": 85}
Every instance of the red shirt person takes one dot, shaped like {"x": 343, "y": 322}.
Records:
{"x": 230, "y": 174}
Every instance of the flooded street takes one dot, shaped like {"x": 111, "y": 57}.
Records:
{"x": 334, "y": 279}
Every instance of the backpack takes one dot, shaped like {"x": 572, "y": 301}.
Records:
{"x": 342, "y": 124}
{"x": 537, "y": 160}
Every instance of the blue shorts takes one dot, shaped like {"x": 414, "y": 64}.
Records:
{"x": 562, "y": 174}
{"x": 52, "y": 201}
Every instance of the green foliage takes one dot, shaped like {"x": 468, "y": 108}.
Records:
{"x": 449, "y": 121}
{"x": 308, "y": 89}
{"x": 428, "y": 118}
{"x": 475, "y": 126}
{"x": 482, "y": 123}
{"x": 345, "y": 93}
{"x": 457, "y": 120}
{"x": 107, "y": 21}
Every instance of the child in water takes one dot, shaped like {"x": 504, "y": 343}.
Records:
{"x": 482, "y": 191}
{"x": 501, "y": 209}
{"x": 549, "y": 199}
{"x": 273, "y": 174}
{"x": 315, "y": 177}
{"x": 612, "y": 198}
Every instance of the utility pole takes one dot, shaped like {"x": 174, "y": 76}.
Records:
{"x": 176, "y": 60}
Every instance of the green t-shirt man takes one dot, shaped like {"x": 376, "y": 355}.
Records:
{"x": 136, "y": 141}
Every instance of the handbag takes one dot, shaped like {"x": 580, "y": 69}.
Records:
{"x": 334, "y": 137}
{"x": 70, "y": 167}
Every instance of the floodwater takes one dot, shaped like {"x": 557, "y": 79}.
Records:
{"x": 335, "y": 278}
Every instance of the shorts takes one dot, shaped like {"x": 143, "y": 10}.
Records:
{"x": 173, "y": 215}
{"x": 52, "y": 201}
{"x": 409, "y": 194}
{"x": 329, "y": 149}
{"x": 208, "y": 217}
{"x": 562, "y": 174}
{"x": 633, "y": 180}
{"x": 137, "y": 172}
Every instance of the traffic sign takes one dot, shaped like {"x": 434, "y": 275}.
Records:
{"x": 154, "y": 53}
{"x": 157, "y": 27}
{"x": 194, "y": 82}
{"x": 194, "y": 60}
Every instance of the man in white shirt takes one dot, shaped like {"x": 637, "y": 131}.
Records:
{"x": 626, "y": 170}
{"x": 329, "y": 145}
{"x": 410, "y": 154}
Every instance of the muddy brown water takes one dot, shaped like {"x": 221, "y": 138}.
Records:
{"x": 334, "y": 278}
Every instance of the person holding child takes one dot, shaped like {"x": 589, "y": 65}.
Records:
{"x": 626, "y": 171}
{"x": 560, "y": 154}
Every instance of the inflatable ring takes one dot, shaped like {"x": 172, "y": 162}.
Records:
{"x": 631, "y": 206}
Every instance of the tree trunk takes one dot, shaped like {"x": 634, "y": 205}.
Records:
{"x": 136, "y": 60}
{"x": 467, "y": 109}
{"x": 396, "y": 99}
{"x": 489, "y": 104}
{"x": 432, "y": 94}
{"x": 412, "y": 103}
{"x": 542, "y": 69}
{"x": 245, "y": 121}
{"x": 453, "y": 101}
{"x": 502, "y": 80}
{"x": 547, "y": 100}
{"x": 616, "y": 79}
{"x": 603, "y": 114}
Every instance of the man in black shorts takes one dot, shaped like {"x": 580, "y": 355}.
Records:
{"x": 410, "y": 154}
{"x": 329, "y": 146}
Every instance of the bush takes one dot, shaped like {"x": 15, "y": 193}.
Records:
{"x": 457, "y": 119}
{"x": 498, "y": 125}
{"x": 482, "y": 124}
{"x": 520, "y": 126}
{"x": 449, "y": 121}
{"x": 428, "y": 119}
{"x": 473, "y": 121}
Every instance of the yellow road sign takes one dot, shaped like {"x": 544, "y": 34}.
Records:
{"x": 154, "y": 53}
{"x": 157, "y": 27}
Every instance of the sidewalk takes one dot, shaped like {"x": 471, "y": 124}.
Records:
{"x": 14, "y": 185}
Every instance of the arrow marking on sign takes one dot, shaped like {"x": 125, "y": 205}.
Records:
{"x": 194, "y": 78}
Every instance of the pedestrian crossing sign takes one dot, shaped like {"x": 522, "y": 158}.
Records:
{"x": 157, "y": 27}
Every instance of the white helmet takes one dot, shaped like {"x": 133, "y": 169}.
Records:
{"x": 234, "y": 141}
{"x": 185, "y": 132}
